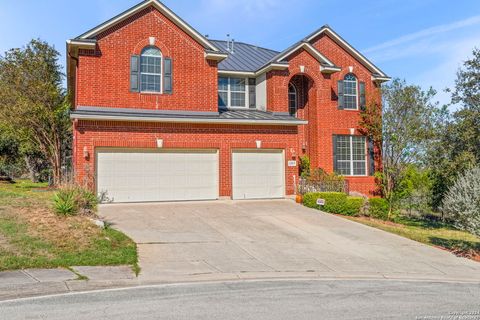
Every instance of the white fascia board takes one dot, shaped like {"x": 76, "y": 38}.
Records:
{"x": 82, "y": 44}
{"x": 272, "y": 66}
{"x": 236, "y": 73}
{"x": 188, "y": 120}
{"x": 163, "y": 9}
{"x": 348, "y": 47}
{"x": 310, "y": 49}
{"x": 215, "y": 56}
{"x": 381, "y": 79}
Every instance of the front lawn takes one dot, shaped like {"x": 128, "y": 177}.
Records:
{"x": 432, "y": 233}
{"x": 33, "y": 236}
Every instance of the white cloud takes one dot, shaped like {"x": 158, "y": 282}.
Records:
{"x": 426, "y": 33}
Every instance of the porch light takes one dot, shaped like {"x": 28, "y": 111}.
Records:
{"x": 352, "y": 131}
{"x": 159, "y": 143}
{"x": 85, "y": 152}
{"x": 259, "y": 144}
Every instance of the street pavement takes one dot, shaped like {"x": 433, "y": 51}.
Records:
{"x": 243, "y": 300}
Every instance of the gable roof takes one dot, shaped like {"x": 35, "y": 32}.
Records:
{"x": 92, "y": 33}
{"x": 348, "y": 47}
{"x": 245, "y": 57}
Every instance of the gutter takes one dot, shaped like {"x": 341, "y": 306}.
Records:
{"x": 79, "y": 116}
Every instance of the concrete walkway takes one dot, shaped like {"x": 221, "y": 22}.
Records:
{"x": 32, "y": 282}
{"x": 226, "y": 240}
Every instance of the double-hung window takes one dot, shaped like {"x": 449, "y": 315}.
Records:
{"x": 350, "y": 92}
{"x": 350, "y": 156}
{"x": 232, "y": 92}
{"x": 150, "y": 70}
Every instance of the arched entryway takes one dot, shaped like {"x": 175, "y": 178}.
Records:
{"x": 302, "y": 98}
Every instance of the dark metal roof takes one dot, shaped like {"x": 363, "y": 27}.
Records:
{"x": 254, "y": 116}
{"x": 245, "y": 57}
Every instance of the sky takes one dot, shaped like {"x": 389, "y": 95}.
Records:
{"x": 421, "y": 41}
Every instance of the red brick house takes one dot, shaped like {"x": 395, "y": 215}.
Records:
{"x": 163, "y": 113}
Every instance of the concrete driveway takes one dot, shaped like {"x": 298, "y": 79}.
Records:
{"x": 267, "y": 239}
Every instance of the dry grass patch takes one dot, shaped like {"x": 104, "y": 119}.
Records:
{"x": 33, "y": 236}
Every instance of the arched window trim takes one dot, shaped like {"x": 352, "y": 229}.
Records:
{"x": 346, "y": 90}
{"x": 293, "y": 92}
{"x": 159, "y": 74}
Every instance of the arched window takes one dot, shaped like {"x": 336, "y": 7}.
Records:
{"x": 292, "y": 99}
{"x": 350, "y": 92}
{"x": 151, "y": 70}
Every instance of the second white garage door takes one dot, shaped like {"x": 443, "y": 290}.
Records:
{"x": 146, "y": 175}
{"x": 258, "y": 174}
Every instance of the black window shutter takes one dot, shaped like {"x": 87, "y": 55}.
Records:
{"x": 363, "y": 101}
{"x": 335, "y": 162}
{"x": 340, "y": 94}
{"x": 371, "y": 157}
{"x": 252, "y": 93}
{"x": 135, "y": 73}
{"x": 167, "y": 76}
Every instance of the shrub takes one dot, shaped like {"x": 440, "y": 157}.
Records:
{"x": 64, "y": 202}
{"x": 354, "y": 206}
{"x": 462, "y": 202}
{"x": 378, "y": 208}
{"x": 335, "y": 202}
{"x": 71, "y": 200}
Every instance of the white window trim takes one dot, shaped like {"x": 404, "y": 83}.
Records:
{"x": 351, "y": 161}
{"x": 149, "y": 73}
{"x": 357, "y": 100}
{"x": 229, "y": 93}
{"x": 296, "y": 98}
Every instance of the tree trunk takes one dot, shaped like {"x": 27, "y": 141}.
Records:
{"x": 31, "y": 169}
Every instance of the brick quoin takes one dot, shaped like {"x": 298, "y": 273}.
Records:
{"x": 103, "y": 80}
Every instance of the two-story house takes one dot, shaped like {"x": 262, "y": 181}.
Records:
{"x": 162, "y": 113}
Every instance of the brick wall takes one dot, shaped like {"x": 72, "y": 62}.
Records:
{"x": 321, "y": 110}
{"x": 89, "y": 135}
{"x": 103, "y": 76}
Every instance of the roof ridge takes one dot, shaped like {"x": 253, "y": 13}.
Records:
{"x": 248, "y": 44}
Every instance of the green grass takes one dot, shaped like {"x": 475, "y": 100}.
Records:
{"x": 429, "y": 232}
{"x": 32, "y": 236}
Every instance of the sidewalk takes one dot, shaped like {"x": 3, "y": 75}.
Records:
{"x": 41, "y": 282}
{"x": 33, "y": 282}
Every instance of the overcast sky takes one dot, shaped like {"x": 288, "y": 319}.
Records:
{"x": 423, "y": 41}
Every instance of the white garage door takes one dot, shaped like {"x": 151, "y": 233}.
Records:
{"x": 258, "y": 174}
{"x": 146, "y": 175}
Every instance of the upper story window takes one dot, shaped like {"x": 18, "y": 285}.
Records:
{"x": 350, "y": 156}
{"x": 351, "y": 93}
{"x": 292, "y": 99}
{"x": 151, "y": 70}
{"x": 232, "y": 92}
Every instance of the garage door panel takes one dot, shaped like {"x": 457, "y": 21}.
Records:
{"x": 143, "y": 175}
{"x": 258, "y": 174}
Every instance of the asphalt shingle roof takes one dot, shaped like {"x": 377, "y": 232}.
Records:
{"x": 245, "y": 57}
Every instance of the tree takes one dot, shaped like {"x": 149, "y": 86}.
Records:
{"x": 462, "y": 201}
{"x": 33, "y": 101}
{"x": 402, "y": 132}
{"x": 458, "y": 148}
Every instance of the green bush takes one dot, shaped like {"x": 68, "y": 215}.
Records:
{"x": 335, "y": 202}
{"x": 378, "y": 208}
{"x": 64, "y": 202}
{"x": 354, "y": 206}
{"x": 71, "y": 200}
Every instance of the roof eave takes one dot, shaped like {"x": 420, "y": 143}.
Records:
{"x": 93, "y": 117}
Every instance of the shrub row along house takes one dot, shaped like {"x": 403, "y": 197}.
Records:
{"x": 163, "y": 113}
